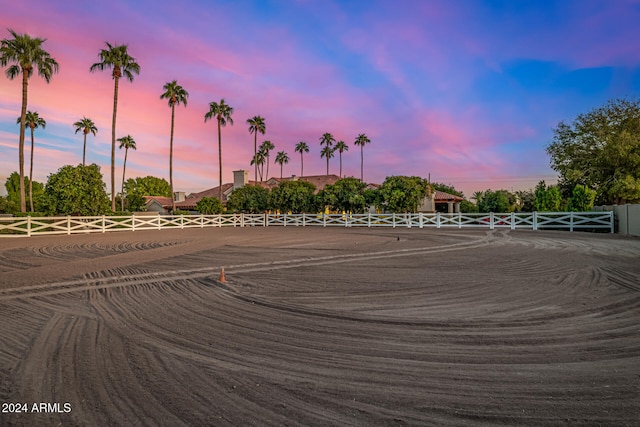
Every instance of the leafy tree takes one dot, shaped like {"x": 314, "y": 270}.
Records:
{"x": 266, "y": 148}
{"x": 222, "y": 112}
{"x": 34, "y": 121}
{"x": 77, "y": 190}
{"x": 25, "y": 53}
{"x": 446, "y": 188}
{"x": 282, "y": 158}
{"x": 547, "y": 199}
{"x": 147, "y": 186}
{"x": 601, "y": 150}
{"x": 86, "y": 126}
{"x": 402, "y": 193}
{"x": 468, "y": 207}
{"x": 497, "y": 201}
{"x": 302, "y": 147}
{"x": 117, "y": 59}
{"x": 340, "y": 148}
{"x": 126, "y": 142}
{"x": 362, "y": 140}
{"x": 176, "y": 95}
{"x": 526, "y": 200}
{"x": 209, "y": 206}
{"x": 12, "y": 185}
{"x": 582, "y": 199}
{"x": 346, "y": 195}
{"x": 256, "y": 125}
{"x": 293, "y": 196}
{"x": 248, "y": 199}
{"x": 135, "y": 203}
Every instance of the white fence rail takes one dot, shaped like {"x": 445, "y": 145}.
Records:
{"x": 28, "y": 226}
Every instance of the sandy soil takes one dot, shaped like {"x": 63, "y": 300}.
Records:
{"x": 321, "y": 327}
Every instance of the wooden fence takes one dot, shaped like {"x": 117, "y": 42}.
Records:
{"x": 29, "y": 226}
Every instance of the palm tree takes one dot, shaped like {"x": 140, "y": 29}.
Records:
{"x": 176, "y": 95}
{"x": 222, "y": 112}
{"x": 34, "y": 121}
{"x": 118, "y": 59}
{"x": 266, "y": 148}
{"x": 127, "y": 143}
{"x": 256, "y": 124}
{"x": 327, "y": 139}
{"x": 302, "y": 147}
{"x": 258, "y": 161}
{"x": 25, "y": 53}
{"x": 361, "y": 140}
{"x": 328, "y": 153}
{"x": 282, "y": 158}
{"x": 341, "y": 147}
{"x": 86, "y": 126}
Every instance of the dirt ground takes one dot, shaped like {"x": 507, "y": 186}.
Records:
{"x": 320, "y": 326}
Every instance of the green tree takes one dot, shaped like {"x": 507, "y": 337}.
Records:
{"x": 294, "y": 197}
{"x": 126, "y": 142}
{"x": 222, "y": 112}
{"x": 346, "y": 195}
{"x": 362, "y": 140}
{"x": 86, "y": 126}
{"x": 34, "y": 121}
{"x": 282, "y": 158}
{"x": 341, "y": 147}
{"x": 176, "y": 95}
{"x": 36, "y": 193}
{"x": 302, "y": 147}
{"x": 147, "y": 186}
{"x": 500, "y": 201}
{"x": 25, "y": 53}
{"x": 582, "y": 199}
{"x": 117, "y": 59}
{"x": 526, "y": 200}
{"x": 547, "y": 199}
{"x": 256, "y": 125}
{"x": 210, "y": 206}
{"x": 266, "y": 148}
{"x": 402, "y": 193}
{"x": 77, "y": 190}
{"x": 135, "y": 203}
{"x": 248, "y": 199}
{"x": 601, "y": 150}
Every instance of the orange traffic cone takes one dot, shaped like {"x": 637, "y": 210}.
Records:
{"x": 222, "y": 278}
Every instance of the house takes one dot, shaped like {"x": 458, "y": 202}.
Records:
{"x": 439, "y": 201}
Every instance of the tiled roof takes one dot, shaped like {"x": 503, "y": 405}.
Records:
{"x": 441, "y": 196}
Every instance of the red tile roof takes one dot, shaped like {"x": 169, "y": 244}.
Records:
{"x": 441, "y": 196}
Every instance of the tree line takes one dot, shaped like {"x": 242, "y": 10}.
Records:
{"x": 23, "y": 53}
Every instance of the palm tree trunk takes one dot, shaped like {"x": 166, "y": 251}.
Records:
{"x": 23, "y": 114}
{"x": 255, "y": 156}
{"x": 124, "y": 169}
{"x": 113, "y": 144}
{"x": 340, "y": 165}
{"x": 280, "y": 170}
{"x": 266, "y": 176}
{"x": 84, "y": 148}
{"x": 362, "y": 163}
{"x": 220, "y": 156}
{"x": 301, "y": 165}
{"x": 173, "y": 199}
{"x": 327, "y": 165}
{"x": 31, "y": 175}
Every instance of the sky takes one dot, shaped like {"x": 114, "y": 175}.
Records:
{"x": 466, "y": 92}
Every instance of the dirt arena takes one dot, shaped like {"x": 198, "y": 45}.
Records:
{"x": 320, "y": 326}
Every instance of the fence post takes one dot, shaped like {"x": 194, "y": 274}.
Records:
{"x": 266, "y": 220}
{"x": 491, "y": 225}
{"x": 571, "y": 221}
{"x": 68, "y": 225}
{"x": 181, "y": 222}
{"x": 534, "y": 220}
{"x": 29, "y": 226}
{"x": 513, "y": 221}
{"x": 201, "y": 221}
{"x": 459, "y": 219}
{"x": 612, "y": 221}
{"x": 437, "y": 219}
{"x": 285, "y": 220}
{"x": 133, "y": 223}
{"x": 369, "y": 220}
{"x": 324, "y": 219}
{"x": 393, "y": 219}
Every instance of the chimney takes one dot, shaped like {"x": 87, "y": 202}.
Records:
{"x": 179, "y": 196}
{"x": 294, "y": 178}
{"x": 240, "y": 178}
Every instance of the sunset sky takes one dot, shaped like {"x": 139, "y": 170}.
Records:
{"x": 467, "y": 91}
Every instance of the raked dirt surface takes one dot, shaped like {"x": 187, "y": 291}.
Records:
{"x": 320, "y": 326}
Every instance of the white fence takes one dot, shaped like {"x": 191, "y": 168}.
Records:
{"x": 28, "y": 226}
{"x": 627, "y": 217}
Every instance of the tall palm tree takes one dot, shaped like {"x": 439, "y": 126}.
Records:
{"x": 302, "y": 147}
{"x": 126, "y": 142}
{"x": 327, "y": 152}
{"x": 258, "y": 161}
{"x": 256, "y": 124}
{"x": 340, "y": 148}
{"x": 361, "y": 140}
{"x": 86, "y": 126}
{"x": 25, "y": 53}
{"x": 175, "y": 94}
{"x": 222, "y": 112}
{"x": 282, "y": 158}
{"x": 327, "y": 139}
{"x": 266, "y": 148}
{"x": 117, "y": 59}
{"x": 34, "y": 121}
